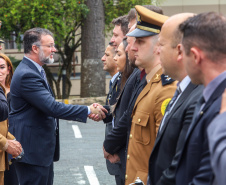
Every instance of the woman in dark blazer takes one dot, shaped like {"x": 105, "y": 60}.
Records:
{"x": 6, "y": 71}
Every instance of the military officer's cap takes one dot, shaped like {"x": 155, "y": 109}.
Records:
{"x": 2, "y": 41}
{"x": 149, "y": 23}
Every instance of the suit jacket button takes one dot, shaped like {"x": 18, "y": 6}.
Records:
{"x": 139, "y": 120}
{"x": 128, "y": 157}
{"x": 130, "y": 136}
{"x": 126, "y": 177}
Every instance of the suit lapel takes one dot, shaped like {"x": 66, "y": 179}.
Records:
{"x": 218, "y": 92}
{"x": 136, "y": 89}
{"x": 51, "y": 91}
{"x": 155, "y": 79}
{"x": 180, "y": 101}
{"x": 143, "y": 93}
{"x": 113, "y": 87}
{"x": 33, "y": 67}
{"x": 135, "y": 71}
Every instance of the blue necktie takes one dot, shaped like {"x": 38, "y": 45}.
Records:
{"x": 110, "y": 86}
{"x": 168, "y": 108}
{"x": 44, "y": 75}
{"x": 176, "y": 94}
{"x": 109, "y": 93}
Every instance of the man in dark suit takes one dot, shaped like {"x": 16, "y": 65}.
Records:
{"x": 3, "y": 106}
{"x": 174, "y": 125}
{"x": 114, "y": 90}
{"x": 115, "y": 141}
{"x": 34, "y": 112}
{"x": 217, "y": 141}
{"x": 204, "y": 60}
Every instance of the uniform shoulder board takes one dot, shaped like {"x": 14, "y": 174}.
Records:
{"x": 166, "y": 79}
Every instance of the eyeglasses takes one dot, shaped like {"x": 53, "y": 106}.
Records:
{"x": 49, "y": 46}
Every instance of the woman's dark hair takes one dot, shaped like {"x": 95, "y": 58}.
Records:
{"x": 128, "y": 69}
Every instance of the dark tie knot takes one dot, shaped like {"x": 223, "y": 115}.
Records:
{"x": 202, "y": 100}
{"x": 110, "y": 85}
{"x": 43, "y": 74}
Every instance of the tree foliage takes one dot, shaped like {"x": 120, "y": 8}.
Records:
{"x": 63, "y": 17}
{"x": 118, "y": 8}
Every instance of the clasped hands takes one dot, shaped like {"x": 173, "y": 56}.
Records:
{"x": 14, "y": 148}
{"x": 112, "y": 158}
{"x": 97, "y": 112}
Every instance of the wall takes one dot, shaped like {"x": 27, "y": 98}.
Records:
{"x": 171, "y": 7}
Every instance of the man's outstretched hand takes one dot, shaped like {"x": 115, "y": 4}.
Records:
{"x": 97, "y": 112}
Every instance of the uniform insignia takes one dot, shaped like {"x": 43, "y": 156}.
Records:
{"x": 164, "y": 105}
{"x": 138, "y": 18}
{"x": 157, "y": 77}
{"x": 119, "y": 76}
{"x": 166, "y": 79}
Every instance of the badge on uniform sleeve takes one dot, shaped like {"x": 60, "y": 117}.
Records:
{"x": 166, "y": 80}
{"x": 164, "y": 105}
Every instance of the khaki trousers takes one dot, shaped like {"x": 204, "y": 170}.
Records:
{"x": 1, "y": 178}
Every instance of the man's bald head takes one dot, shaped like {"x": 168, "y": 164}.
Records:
{"x": 170, "y": 52}
{"x": 172, "y": 27}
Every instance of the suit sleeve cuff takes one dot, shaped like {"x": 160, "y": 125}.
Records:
{"x": 88, "y": 110}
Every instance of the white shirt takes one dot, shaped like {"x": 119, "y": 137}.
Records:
{"x": 182, "y": 85}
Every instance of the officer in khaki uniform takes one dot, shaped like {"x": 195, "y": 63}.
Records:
{"x": 153, "y": 99}
{"x": 4, "y": 136}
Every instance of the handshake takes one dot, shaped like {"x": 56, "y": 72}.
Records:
{"x": 97, "y": 112}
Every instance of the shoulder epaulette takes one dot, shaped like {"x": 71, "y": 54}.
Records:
{"x": 166, "y": 80}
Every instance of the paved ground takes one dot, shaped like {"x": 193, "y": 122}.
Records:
{"x": 81, "y": 161}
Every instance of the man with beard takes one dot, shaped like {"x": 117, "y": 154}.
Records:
{"x": 34, "y": 112}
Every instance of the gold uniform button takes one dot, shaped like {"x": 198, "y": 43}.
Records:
{"x": 139, "y": 120}
{"x": 126, "y": 177}
{"x": 127, "y": 156}
{"x": 130, "y": 136}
